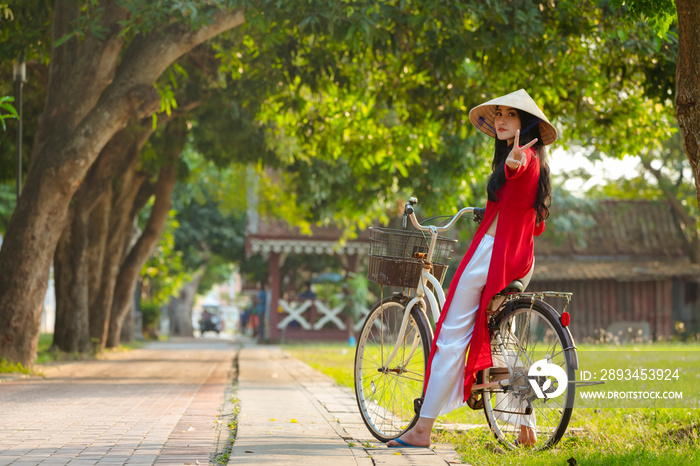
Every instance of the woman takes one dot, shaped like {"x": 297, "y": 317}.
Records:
{"x": 502, "y": 251}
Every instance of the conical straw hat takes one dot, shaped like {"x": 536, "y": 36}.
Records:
{"x": 482, "y": 116}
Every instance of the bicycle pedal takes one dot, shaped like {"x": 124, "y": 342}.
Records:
{"x": 417, "y": 405}
{"x": 476, "y": 401}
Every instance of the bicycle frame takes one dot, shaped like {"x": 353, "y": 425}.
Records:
{"x": 422, "y": 291}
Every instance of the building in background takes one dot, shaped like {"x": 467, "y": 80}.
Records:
{"x": 633, "y": 270}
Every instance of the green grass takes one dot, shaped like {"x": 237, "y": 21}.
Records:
{"x": 607, "y": 436}
{"x": 46, "y": 354}
{"x": 334, "y": 360}
{"x": 223, "y": 457}
{"x": 43, "y": 355}
{"x": 637, "y": 368}
{"x": 14, "y": 368}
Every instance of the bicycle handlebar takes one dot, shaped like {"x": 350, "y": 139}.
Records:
{"x": 408, "y": 211}
{"x": 451, "y": 223}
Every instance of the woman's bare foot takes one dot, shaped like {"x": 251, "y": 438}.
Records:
{"x": 527, "y": 437}
{"x": 417, "y": 436}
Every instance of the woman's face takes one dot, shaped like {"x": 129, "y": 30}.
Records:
{"x": 506, "y": 123}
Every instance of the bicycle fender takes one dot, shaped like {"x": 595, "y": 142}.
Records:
{"x": 570, "y": 344}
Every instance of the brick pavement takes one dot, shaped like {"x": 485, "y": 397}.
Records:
{"x": 291, "y": 413}
{"x": 157, "y": 405}
{"x": 168, "y": 404}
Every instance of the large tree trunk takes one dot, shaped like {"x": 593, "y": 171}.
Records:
{"x": 81, "y": 250}
{"x": 121, "y": 220}
{"x": 98, "y": 233}
{"x": 139, "y": 254}
{"x": 141, "y": 247}
{"x": 92, "y": 94}
{"x": 180, "y": 308}
{"x": 688, "y": 83}
{"x": 127, "y": 332}
{"x": 71, "y": 330}
{"x": 129, "y": 325}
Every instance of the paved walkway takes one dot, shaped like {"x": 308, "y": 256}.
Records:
{"x": 157, "y": 405}
{"x": 169, "y": 404}
{"x": 292, "y": 414}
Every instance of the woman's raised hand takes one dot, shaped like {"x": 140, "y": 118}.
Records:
{"x": 517, "y": 155}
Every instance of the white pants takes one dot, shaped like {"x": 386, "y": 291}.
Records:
{"x": 445, "y": 390}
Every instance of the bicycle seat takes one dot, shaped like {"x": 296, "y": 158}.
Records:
{"x": 516, "y": 286}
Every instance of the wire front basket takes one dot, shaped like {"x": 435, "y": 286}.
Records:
{"x": 396, "y": 256}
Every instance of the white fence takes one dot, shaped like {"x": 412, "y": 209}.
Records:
{"x": 313, "y": 314}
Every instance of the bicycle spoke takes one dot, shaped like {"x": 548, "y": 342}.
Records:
{"x": 381, "y": 337}
{"x": 415, "y": 379}
{"x": 386, "y": 393}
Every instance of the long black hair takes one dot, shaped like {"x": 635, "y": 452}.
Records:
{"x": 544, "y": 190}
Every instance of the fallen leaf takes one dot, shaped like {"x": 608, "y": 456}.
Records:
{"x": 273, "y": 419}
{"x": 294, "y": 421}
{"x": 397, "y": 453}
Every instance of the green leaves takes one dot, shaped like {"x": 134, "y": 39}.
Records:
{"x": 408, "y": 82}
{"x": 25, "y": 30}
{"x": 659, "y": 14}
{"x": 344, "y": 107}
{"x": 6, "y": 105}
{"x": 165, "y": 269}
{"x": 146, "y": 16}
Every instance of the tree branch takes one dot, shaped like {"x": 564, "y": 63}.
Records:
{"x": 131, "y": 94}
{"x": 148, "y": 56}
{"x": 688, "y": 225}
{"x": 115, "y": 158}
{"x": 80, "y": 70}
{"x": 668, "y": 193}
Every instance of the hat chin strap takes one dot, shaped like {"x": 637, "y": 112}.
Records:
{"x": 482, "y": 122}
{"x": 532, "y": 125}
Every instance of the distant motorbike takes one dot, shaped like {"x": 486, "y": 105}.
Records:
{"x": 210, "y": 323}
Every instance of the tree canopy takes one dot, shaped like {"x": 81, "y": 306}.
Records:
{"x": 339, "y": 108}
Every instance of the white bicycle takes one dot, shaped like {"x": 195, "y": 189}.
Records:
{"x": 394, "y": 344}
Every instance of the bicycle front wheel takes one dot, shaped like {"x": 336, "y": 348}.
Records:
{"x": 530, "y": 333}
{"x": 386, "y": 388}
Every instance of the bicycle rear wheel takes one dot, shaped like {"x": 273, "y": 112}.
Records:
{"x": 530, "y": 332}
{"x": 386, "y": 390}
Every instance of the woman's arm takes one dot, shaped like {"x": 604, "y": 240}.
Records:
{"x": 517, "y": 156}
